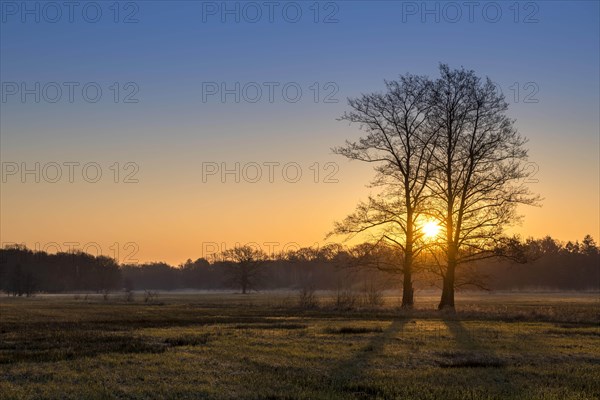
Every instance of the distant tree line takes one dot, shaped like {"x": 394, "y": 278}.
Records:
{"x": 555, "y": 265}
{"x": 23, "y": 271}
{"x": 551, "y": 265}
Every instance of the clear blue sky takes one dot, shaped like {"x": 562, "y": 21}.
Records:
{"x": 176, "y": 46}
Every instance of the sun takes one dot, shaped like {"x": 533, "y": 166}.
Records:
{"x": 430, "y": 229}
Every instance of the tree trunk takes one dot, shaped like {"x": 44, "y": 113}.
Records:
{"x": 408, "y": 300}
{"x": 447, "y": 300}
{"x": 244, "y": 278}
{"x": 407, "y": 289}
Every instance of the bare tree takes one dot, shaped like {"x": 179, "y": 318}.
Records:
{"x": 244, "y": 266}
{"x": 398, "y": 141}
{"x": 479, "y": 171}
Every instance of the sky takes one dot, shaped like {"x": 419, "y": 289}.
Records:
{"x": 167, "y": 130}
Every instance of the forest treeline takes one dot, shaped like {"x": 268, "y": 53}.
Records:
{"x": 551, "y": 265}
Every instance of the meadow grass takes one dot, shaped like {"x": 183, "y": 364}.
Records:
{"x": 262, "y": 346}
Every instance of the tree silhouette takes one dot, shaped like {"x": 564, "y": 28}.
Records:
{"x": 588, "y": 246}
{"x": 243, "y": 265}
{"x": 399, "y": 140}
{"x": 479, "y": 170}
{"x": 443, "y": 149}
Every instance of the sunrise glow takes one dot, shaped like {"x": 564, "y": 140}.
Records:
{"x": 430, "y": 229}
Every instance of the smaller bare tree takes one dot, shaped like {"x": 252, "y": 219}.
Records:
{"x": 129, "y": 296}
{"x": 307, "y": 298}
{"x": 150, "y": 295}
{"x": 243, "y": 266}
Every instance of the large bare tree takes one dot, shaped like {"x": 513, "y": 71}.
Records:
{"x": 479, "y": 171}
{"x": 398, "y": 140}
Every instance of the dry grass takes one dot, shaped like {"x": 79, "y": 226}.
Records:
{"x": 220, "y": 346}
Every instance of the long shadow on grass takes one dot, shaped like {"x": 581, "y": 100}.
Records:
{"x": 472, "y": 353}
{"x": 347, "y": 375}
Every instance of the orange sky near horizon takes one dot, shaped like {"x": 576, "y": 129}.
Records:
{"x": 171, "y": 215}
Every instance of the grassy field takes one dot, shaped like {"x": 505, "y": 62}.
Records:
{"x": 262, "y": 346}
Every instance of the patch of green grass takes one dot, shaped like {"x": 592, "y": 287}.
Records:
{"x": 571, "y": 331}
{"x": 460, "y": 359}
{"x": 187, "y": 340}
{"x": 56, "y": 345}
{"x": 346, "y": 330}
{"x": 271, "y": 326}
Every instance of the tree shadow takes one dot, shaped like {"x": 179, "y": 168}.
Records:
{"x": 461, "y": 335}
{"x": 472, "y": 353}
{"x": 347, "y": 375}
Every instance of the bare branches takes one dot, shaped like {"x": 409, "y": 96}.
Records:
{"x": 398, "y": 140}
{"x": 442, "y": 149}
{"x": 479, "y": 174}
{"x": 243, "y": 266}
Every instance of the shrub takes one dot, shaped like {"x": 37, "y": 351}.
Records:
{"x": 307, "y": 298}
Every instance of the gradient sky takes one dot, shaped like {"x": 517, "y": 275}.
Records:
{"x": 176, "y": 47}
